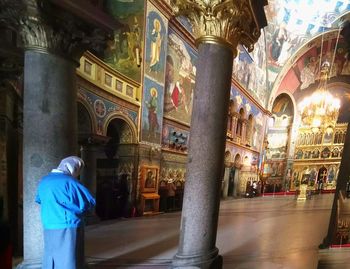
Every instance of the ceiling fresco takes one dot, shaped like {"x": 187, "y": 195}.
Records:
{"x": 292, "y": 24}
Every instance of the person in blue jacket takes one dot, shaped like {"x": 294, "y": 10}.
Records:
{"x": 64, "y": 200}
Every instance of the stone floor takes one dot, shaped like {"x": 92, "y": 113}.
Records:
{"x": 264, "y": 232}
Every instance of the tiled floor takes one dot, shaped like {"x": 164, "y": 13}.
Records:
{"x": 253, "y": 233}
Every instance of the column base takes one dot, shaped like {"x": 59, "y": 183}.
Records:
{"x": 202, "y": 261}
{"x": 30, "y": 264}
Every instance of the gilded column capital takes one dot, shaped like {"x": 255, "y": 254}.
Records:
{"x": 50, "y": 29}
{"x": 227, "y": 22}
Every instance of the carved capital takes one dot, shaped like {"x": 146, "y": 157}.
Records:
{"x": 229, "y": 22}
{"x": 44, "y": 27}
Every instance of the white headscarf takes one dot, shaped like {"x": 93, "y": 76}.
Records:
{"x": 70, "y": 166}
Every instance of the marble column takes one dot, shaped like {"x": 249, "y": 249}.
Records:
{"x": 218, "y": 30}
{"x": 52, "y": 51}
{"x": 49, "y": 134}
{"x": 206, "y": 158}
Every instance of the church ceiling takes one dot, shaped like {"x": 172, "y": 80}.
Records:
{"x": 292, "y": 24}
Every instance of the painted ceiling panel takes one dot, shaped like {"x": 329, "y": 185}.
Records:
{"x": 292, "y": 24}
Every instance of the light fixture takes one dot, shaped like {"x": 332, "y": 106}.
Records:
{"x": 320, "y": 110}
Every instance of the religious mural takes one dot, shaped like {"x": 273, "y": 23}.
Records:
{"x": 156, "y": 44}
{"x": 124, "y": 51}
{"x": 152, "y": 108}
{"x": 153, "y": 88}
{"x": 243, "y": 157}
{"x": 250, "y": 70}
{"x": 291, "y": 23}
{"x": 257, "y": 131}
{"x": 304, "y": 77}
{"x": 179, "y": 79}
{"x": 103, "y": 108}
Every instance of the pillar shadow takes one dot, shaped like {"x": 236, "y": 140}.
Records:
{"x": 141, "y": 257}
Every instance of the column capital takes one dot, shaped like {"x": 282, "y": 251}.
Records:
{"x": 48, "y": 28}
{"x": 227, "y": 22}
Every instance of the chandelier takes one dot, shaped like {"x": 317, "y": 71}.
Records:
{"x": 321, "y": 109}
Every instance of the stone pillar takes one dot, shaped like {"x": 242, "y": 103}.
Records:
{"x": 218, "y": 30}
{"x": 88, "y": 176}
{"x": 237, "y": 184}
{"x": 204, "y": 173}
{"x": 244, "y": 132}
{"x": 53, "y": 45}
{"x": 226, "y": 182}
{"x": 49, "y": 133}
{"x": 234, "y": 124}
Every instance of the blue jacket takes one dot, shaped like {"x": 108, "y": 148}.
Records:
{"x": 63, "y": 201}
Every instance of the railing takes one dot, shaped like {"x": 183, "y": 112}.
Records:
{"x": 103, "y": 76}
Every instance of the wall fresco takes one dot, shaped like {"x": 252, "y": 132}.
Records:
{"x": 103, "y": 108}
{"x": 152, "y": 111}
{"x": 259, "y": 118}
{"x": 123, "y": 52}
{"x": 246, "y": 157}
{"x": 153, "y": 87}
{"x": 250, "y": 71}
{"x": 156, "y": 44}
{"x": 179, "y": 79}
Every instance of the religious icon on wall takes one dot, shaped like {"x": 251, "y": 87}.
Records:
{"x": 149, "y": 178}
{"x": 152, "y": 111}
{"x": 123, "y": 50}
{"x": 179, "y": 79}
{"x": 156, "y": 44}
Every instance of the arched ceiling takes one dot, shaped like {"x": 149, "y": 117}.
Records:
{"x": 292, "y": 24}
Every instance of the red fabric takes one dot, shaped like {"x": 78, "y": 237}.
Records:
{"x": 341, "y": 246}
{"x": 175, "y": 96}
{"x": 279, "y": 193}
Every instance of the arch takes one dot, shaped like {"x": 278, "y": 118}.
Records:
{"x": 332, "y": 172}
{"x": 121, "y": 116}
{"x": 88, "y": 108}
{"x": 336, "y": 138}
{"x": 250, "y": 126}
{"x": 232, "y": 107}
{"x": 322, "y": 174}
{"x": 292, "y": 60}
{"x": 228, "y": 157}
{"x": 84, "y": 120}
{"x": 240, "y": 119}
{"x": 343, "y": 137}
{"x": 315, "y": 154}
{"x": 335, "y": 153}
{"x": 237, "y": 160}
{"x": 246, "y": 160}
